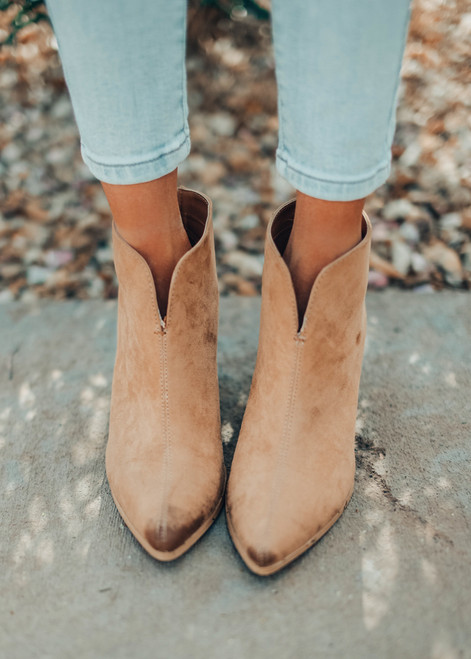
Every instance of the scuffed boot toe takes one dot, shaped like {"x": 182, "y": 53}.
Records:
{"x": 161, "y": 520}
{"x": 173, "y": 538}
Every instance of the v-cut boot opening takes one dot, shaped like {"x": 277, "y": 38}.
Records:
{"x": 194, "y": 211}
{"x": 281, "y": 231}
{"x": 283, "y": 223}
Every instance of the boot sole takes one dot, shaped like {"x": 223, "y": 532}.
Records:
{"x": 279, "y": 565}
{"x": 167, "y": 556}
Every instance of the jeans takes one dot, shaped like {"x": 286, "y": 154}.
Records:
{"x": 337, "y": 71}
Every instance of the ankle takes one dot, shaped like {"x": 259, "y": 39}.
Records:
{"x": 148, "y": 217}
{"x": 321, "y": 232}
{"x": 162, "y": 247}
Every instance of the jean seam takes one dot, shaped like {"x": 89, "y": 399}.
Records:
{"x": 391, "y": 123}
{"x": 184, "y": 82}
{"x": 279, "y": 85}
{"x": 315, "y": 177}
{"x": 137, "y": 163}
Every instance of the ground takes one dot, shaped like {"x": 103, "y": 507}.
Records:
{"x": 391, "y": 579}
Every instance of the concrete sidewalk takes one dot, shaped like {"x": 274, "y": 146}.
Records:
{"x": 391, "y": 579}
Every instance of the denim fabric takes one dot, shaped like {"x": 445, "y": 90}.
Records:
{"x": 337, "y": 69}
{"x": 124, "y": 65}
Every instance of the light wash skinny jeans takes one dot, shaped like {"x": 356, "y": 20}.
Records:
{"x": 337, "y": 69}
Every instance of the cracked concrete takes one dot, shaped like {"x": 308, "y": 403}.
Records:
{"x": 391, "y": 579}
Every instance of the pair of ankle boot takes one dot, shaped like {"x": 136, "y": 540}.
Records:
{"x": 293, "y": 468}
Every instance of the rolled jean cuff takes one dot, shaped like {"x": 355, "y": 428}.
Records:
{"x": 149, "y": 167}
{"x": 342, "y": 190}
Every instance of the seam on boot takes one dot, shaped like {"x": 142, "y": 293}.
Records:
{"x": 286, "y": 437}
{"x": 163, "y": 522}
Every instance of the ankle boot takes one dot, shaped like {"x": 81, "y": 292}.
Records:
{"x": 164, "y": 457}
{"x": 293, "y": 468}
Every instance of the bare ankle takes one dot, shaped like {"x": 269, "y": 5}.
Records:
{"x": 148, "y": 217}
{"x": 322, "y": 231}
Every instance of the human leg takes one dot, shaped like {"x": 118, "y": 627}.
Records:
{"x": 338, "y": 73}
{"x": 337, "y": 68}
{"x": 124, "y": 64}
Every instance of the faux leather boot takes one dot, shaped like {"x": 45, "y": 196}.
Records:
{"x": 294, "y": 464}
{"x": 164, "y": 457}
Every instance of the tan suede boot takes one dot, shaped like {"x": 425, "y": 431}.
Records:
{"x": 164, "y": 457}
{"x": 293, "y": 468}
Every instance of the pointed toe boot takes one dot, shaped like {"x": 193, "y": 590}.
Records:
{"x": 164, "y": 457}
{"x": 294, "y": 464}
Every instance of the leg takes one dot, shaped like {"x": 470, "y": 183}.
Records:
{"x": 293, "y": 470}
{"x": 125, "y": 71}
{"x": 125, "y": 67}
{"x": 337, "y": 68}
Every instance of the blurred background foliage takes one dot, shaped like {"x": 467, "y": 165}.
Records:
{"x": 27, "y": 12}
{"x": 22, "y": 14}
